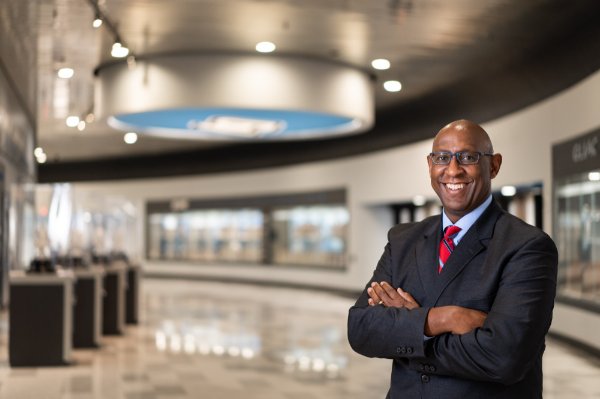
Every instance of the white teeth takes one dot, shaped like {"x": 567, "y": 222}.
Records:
{"x": 454, "y": 186}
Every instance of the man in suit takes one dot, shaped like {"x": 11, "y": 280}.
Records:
{"x": 462, "y": 314}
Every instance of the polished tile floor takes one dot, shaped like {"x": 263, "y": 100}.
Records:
{"x": 227, "y": 341}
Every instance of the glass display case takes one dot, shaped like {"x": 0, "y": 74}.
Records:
{"x": 207, "y": 235}
{"x": 576, "y": 218}
{"x": 300, "y": 229}
{"x": 310, "y": 235}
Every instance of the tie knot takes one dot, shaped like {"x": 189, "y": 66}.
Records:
{"x": 451, "y": 231}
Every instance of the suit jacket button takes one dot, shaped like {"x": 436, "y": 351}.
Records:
{"x": 422, "y": 367}
{"x": 424, "y": 378}
{"x": 409, "y": 350}
{"x": 432, "y": 368}
{"x": 398, "y": 350}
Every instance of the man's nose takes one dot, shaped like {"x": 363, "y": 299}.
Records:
{"x": 454, "y": 168}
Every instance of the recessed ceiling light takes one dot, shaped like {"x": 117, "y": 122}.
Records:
{"x": 381, "y": 64}
{"x": 65, "y": 73}
{"x": 72, "y": 121}
{"x": 130, "y": 137}
{"x": 265, "y": 47}
{"x": 392, "y": 85}
{"x": 38, "y": 151}
{"x": 81, "y": 126}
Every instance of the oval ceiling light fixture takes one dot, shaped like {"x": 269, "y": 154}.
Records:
{"x": 265, "y": 47}
{"x": 392, "y": 86}
{"x": 381, "y": 64}
{"x": 235, "y": 97}
{"x": 65, "y": 73}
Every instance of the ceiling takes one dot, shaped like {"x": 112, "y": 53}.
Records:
{"x": 461, "y": 58}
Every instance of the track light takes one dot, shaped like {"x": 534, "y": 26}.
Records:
{"x": 118, "y": 50}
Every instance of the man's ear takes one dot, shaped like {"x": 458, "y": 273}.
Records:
{"x": 495, "y": 164}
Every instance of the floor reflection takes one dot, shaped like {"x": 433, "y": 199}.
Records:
{"x": 225, "y": 341}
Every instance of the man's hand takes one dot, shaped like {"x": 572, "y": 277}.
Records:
{"x": 453, "y": 319}
{"x": 384, "y": 294}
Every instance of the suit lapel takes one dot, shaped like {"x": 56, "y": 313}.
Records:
{"x": 426, "y": 255}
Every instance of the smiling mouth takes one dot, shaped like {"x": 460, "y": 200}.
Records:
{"x": 454, "y": 186}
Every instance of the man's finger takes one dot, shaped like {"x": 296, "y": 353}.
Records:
{"x": 389, "y": 290}
{"x": 405, "y": 295}
{"x": 383, "y": 296}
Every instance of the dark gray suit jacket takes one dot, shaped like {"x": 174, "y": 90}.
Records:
{"x": 503, "y": 267}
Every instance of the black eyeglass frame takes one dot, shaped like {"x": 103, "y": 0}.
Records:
{"x": 457, "y": 155}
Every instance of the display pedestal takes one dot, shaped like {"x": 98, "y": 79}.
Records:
{"x": 89, "y": 294}
{"x": 115, "y": 285}
{"x": 40, "y": 319}
{"x": 132, "y": 295}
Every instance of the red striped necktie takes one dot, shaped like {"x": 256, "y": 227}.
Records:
{"x": 447, "y": 245}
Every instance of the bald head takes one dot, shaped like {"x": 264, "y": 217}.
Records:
{"x": 466, "y": 127}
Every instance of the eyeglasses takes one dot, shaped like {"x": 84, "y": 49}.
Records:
{"x": 462, "y": 157}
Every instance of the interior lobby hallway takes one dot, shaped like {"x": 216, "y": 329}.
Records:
{"x": 224, "y": 341}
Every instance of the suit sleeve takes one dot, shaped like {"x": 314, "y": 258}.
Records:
{"x": 510, "y": 341}
{"x": 379, "y": 331}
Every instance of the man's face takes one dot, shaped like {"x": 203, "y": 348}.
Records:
{"x": 462, "y": 188}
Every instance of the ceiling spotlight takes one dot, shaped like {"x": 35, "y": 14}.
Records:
{"x": 392, "y": 86}
{"x": 97, "y": 22}
{"x": 89, "y": 118}
{"x": 265, "y": 47}
{"x": 119, "y": 51}
{"x": 65, "y": 73}
{"x": 130, "y": 137}
{"x": 72, "y": 121}
{"x": 81, "y": 126}
{"x": 381, "y": 64}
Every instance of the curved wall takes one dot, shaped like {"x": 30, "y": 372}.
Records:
{"x": 525, "y": 139}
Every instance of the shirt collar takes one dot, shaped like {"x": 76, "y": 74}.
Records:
{"x": 467, "y": 220}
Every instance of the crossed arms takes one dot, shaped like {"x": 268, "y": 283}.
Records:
{"x": 440, "y": 320}
{"x": 500, "y": 345}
